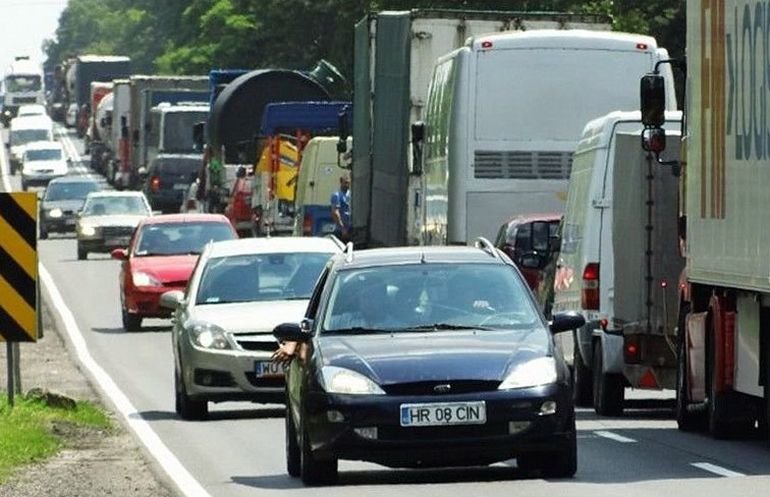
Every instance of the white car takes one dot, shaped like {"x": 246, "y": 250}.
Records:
{"x": 42, "y": 161}
{"x": 24, "y": 130}
{"x": 222, "y": 336}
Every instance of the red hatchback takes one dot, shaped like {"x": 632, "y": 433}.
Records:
{"x": 160, "y": 257}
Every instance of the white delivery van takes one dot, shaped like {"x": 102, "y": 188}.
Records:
{"x": 24, "y": 130}
{"x": 319, "y": 178}
{"x": 619, "y": 263}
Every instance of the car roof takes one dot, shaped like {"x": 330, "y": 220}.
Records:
{"x": 44, "y": 145}
{"x": 75, "y": 179}
{"x": 281, "y": 244}
{"x": 528, "y": 218}
{"x": 115, "y": 193}
{"x": 418, "y": 255}
{"x": 186, "y": 218}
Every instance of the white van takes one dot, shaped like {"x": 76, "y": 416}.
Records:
{"x": 24, "y": 130}
{"x": 319, "y": 178}
{"x": 621, "y": 280}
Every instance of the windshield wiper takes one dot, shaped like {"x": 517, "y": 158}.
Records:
{"x": 356, "y": 330}
{"x": 445, "y": 326}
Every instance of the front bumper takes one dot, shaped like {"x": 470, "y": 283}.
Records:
{"x": 232, "y": 374}
{"x": 513, "y": 427}
{"x": 99, "y": 244}
{"x": 145, "y": 301}
{"x": 41, "y": 179}
{"x": 62, "y": 224}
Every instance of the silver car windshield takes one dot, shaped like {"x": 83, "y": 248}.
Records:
{"x": 116, "y": 206}
{"x": 260, "y": 277}
{"x": 430, "y": 297}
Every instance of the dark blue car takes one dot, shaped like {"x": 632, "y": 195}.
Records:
{"x": 425, "y": 357}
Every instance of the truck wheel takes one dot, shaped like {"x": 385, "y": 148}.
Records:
{"x": 82, "y": 253}
{"x": 583, "y": 390}
{"x": 609, "y": 388}
{"x": 686, "y": 420}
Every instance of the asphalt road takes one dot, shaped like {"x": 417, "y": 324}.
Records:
{"x": 239, "y": 451}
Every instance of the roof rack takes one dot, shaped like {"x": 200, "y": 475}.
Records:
{"x": 349, "y": 252}
{"x": 487, "y": 247}
{"x": 336, "y": 241}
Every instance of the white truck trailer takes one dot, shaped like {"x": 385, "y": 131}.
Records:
{"x": 724, "y": 224}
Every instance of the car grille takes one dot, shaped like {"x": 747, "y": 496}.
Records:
{"x": 24, "y": 100}
{"x": 269, "y": 382}
{"x": 522, "y": 165}
{"x": 399, "y": 433}
{"x": 429, "y": 387}
{"x": 250, "y": 342}
{"x": 117, "y": 231}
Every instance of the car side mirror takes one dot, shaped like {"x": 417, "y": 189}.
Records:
{"x": 171, "y": 299}
{"x": 343, "y": 130}
{"x": 653, "y": 100}
{"x": 291, "y": 332}
{"x": 119, "y": 254}
{"x": 566, "y": 321}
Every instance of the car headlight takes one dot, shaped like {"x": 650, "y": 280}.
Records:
{"x": 145, "y": 279}
{"x": 541, "y": 371}
{"x": 87, "y": 230}
{"x": 209, "y": 336}
{"x": 55, "y": 213}
{"x": 345, "y": 381}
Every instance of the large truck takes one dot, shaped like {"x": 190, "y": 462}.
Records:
{"x": 396, "y": 50}
{"x": 22, "y": 84}
{"x": 132, "y": 112}
{"x": 499, "y": 142}
{"x": 723, "y": 340}
{"x": 170, "y": 129}
{"x": 82, "y": 72}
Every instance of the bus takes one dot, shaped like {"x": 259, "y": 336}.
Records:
{"x": 504, "y": 115}
{"x": 23, "y": 83}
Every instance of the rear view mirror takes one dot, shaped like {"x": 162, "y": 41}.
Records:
{"x": 343, "y": 130}
{"x": 653, "y": 100}
{"x": 290, "y": 332}
{"x": 171, "y": 299}
{"x": 567, "y": 321}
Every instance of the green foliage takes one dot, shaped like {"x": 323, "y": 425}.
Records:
{"x": 194, "y": 36}
{"x": 25, "y": 430}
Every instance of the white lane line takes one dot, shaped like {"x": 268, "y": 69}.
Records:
{"x": 186, "y": 483}
{"x": 614, "y": 436}
{"x": 717, "y": 470}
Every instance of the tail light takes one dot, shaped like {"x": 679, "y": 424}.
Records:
{"x": 155, "y": 183}
{"x": 632, "y": 350}
{"x": 307, "y": 225}
{"x": 590, "y": 296}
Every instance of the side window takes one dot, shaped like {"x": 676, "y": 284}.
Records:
{"x": 315, "y": 298}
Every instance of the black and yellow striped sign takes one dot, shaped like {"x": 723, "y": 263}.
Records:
{"x": 18, "y": 267}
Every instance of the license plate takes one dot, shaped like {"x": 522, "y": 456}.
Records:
{"x": 265, "y": 369}
{"x": 117, "y": 242}
{"x": 328, "y": 228}
{"x": 444, "y": 414}
{"x": 180, "y": 186}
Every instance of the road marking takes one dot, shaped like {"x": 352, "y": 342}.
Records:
{"x": 186, "y": 483}
{"x": 717, "y": 470}
{"x": 614, "y": 436}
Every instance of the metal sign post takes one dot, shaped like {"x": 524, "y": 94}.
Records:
{"x": 11, "y": 373}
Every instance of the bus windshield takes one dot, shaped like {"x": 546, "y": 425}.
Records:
{"x": 23, "y": 83}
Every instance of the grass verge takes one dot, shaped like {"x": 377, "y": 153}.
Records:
{"x": 26, "y": 429}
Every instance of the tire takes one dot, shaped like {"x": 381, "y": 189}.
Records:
{"x": 24, "y": 186}
{"x": 608, "y": 388}
{"x": 187, "y": 408}
{"x": 82, "y": 253}
{"x": 561, "y": 464}
{"x": 583, "y": 390}
{"x": 131, "y": 322}
{"x": 43, "y": 234}
{"x": 685, "y": 420}
{"x": 313, "y": 471}
{"x": 293, "y": 455}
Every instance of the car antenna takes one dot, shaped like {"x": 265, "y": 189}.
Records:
{"x": 487, "y": 247}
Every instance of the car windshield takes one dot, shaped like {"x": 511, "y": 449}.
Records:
{"x": 424, "y": 297}
{"x": 180, "y": 238}
{"x": 117, "y": 205}
{"x": 260, "y": 277}
{"x": 69, "y": 190}
{"x": 22, "y": 136}
{"x": 43, "y": 154}
{"x": 178, "y": 167}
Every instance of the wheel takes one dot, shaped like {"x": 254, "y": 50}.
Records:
{"x": 686, "y": 420}
{"x": 313, "y": 471}
{"x": 24, "y": 186}
{"x": 293, "y": 455}
{"x": 608, "y": 387}
{"x": 82, "y": 253}
{"x": 131, "y": 322}
{"x": 561, "y": 464}
{"x": 582, "y": 392}
{"x": 187, "y": 408}
{"x": 43, "y": 233}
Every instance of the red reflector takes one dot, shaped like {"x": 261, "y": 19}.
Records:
{"x": 603, "y": 324}
{"x": 590, "y": 294}
{"x": 307, "y": 226}
{"x": 486, "y": 44}
{"x": 641, "y": 46}
{"x": 663, "y": 284}
{"x": 155, "y": 183}
{"x": 648, "y": 380}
